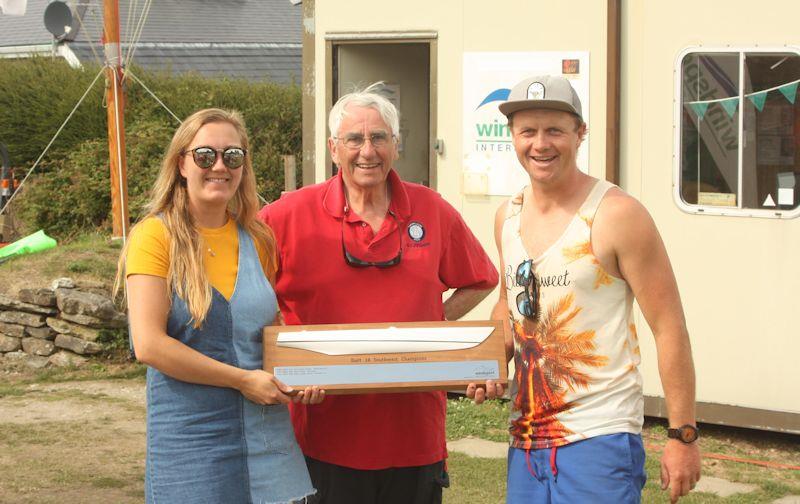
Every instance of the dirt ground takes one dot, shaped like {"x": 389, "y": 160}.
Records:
{"x": 79, "y": 437}
{"x": 76, "y": 442}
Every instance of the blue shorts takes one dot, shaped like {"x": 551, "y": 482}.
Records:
{"x": 602, "y": 469}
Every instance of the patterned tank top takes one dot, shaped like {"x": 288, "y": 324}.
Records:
{"x": 576, "y": 370}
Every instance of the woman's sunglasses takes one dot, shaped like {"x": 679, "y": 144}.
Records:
{"x": 528, "y": 299}
{"x": 205, "y": 157}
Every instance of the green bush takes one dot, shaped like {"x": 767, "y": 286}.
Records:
{"x": 113, "y": 339}
{"x": 36, "y": 95}
{"x": 70, "y": 192}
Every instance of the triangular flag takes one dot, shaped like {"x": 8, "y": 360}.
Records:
{"x": 730, "y": 105}
{"x": 699, "y": 108}
{"x": 758, "y": 99}
{"x": 789, "y": 91}
{"x": 769, "y": 201}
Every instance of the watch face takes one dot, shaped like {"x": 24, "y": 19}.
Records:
{"x": 688, "y": 434}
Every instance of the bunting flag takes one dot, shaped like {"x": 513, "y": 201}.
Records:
{"x": 730, "y": 105}
{"x": 789, "y": 91}
{"x": 699, "y": 108}
{"x": 758, "y": 99}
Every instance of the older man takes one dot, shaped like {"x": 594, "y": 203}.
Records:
{"x": 575, "y": 252}
{"x": 364, "y": 246}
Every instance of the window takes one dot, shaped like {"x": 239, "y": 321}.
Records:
{"x": 739, "y": 132}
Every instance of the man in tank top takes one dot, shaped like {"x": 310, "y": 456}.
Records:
{"x": 575, "y": 251}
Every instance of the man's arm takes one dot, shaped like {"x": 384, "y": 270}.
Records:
{"x": 641, "y": 259}
{"x": 462, "y": 300}
{"x": 499, "y": 312}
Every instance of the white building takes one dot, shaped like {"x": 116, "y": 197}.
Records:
{"x": 692, "y": 108}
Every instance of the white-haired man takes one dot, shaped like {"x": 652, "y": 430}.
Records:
{"x": 575, "y": 252}
{"x": 364, "y": 246}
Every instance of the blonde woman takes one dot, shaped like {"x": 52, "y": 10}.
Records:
{"x": 197, "y": 269}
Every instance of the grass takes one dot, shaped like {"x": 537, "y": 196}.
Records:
{"x": 78, "y": 396}
{"x": 745, "y": 444}
{"x": 90, "y": 258}
{"x": 87, "y": 257}
{"x": 477, "y": 480}
{"x": 482, "y": 480}
{"x": 487, "y": 421}
{"x": 11, "y": 390}
{"x": 115, "y": 370}
{"x": 59, "y": 462}
{"x": 108, "y": 482}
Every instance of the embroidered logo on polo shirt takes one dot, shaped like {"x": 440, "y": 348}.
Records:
{"x": 416, "y": 231}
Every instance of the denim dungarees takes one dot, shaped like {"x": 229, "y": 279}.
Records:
{"x": 210, "y": 444}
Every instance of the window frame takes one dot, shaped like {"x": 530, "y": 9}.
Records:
{"x": 677, "y": 127}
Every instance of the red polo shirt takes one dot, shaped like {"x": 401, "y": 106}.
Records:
{"x": 316, "y": 286}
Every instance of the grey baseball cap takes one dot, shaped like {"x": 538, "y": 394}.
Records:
{"x": 543, "y": 92}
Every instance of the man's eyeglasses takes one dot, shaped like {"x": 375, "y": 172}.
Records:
{"x": 355, "y": 262}
{"x": 528, "y": 299}
{"x": 354, "y": 142}
{"x": 205, "y": 157}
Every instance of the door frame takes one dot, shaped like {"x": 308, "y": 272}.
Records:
{"x": 335, "y": 39}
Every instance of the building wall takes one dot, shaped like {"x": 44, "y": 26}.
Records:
{"x": 464, "y": 26}
{"x": 739, "y": 276}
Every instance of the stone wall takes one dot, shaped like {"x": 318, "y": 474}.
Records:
{"x": 56, "y": 326}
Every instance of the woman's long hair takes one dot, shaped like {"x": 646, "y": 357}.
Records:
{"x": 169, "y": 201}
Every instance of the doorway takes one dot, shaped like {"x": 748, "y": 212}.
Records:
{"x": 405, "y": 67}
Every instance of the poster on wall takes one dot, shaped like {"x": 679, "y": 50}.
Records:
{"x": 490, "y": 163}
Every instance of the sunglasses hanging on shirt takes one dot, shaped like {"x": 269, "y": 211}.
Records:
{"x": 528, "y": 299}
{"x": 355, "y": 262}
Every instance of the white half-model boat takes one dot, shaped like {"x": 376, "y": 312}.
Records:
{"x": 386, "y": 340}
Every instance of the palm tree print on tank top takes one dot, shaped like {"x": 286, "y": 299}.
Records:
{"x": 576, "y": 369}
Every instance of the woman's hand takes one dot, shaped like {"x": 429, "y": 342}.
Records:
{"x": 263, "y": 388}
{"x": 310, "y": 395}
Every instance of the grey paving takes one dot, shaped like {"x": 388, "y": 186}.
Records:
{"x": 475, "y": 447}
{"x": 722, "y": 487}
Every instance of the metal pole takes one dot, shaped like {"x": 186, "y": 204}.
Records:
{"x": 115, "y": 97}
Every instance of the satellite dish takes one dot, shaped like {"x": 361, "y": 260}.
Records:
{"x": 58, "y": 19}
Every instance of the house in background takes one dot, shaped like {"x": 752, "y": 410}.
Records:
{"x": 248, "y": 39}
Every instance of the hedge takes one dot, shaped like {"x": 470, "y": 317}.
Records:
{"x": 69, "y": 193}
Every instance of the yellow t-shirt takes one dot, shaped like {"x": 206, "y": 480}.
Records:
{"x": 148, "y": 253}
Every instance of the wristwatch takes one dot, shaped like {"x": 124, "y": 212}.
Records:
{"x": 686, "y": 434}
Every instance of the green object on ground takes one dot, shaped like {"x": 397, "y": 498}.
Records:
{"x": 35, "y": 242}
